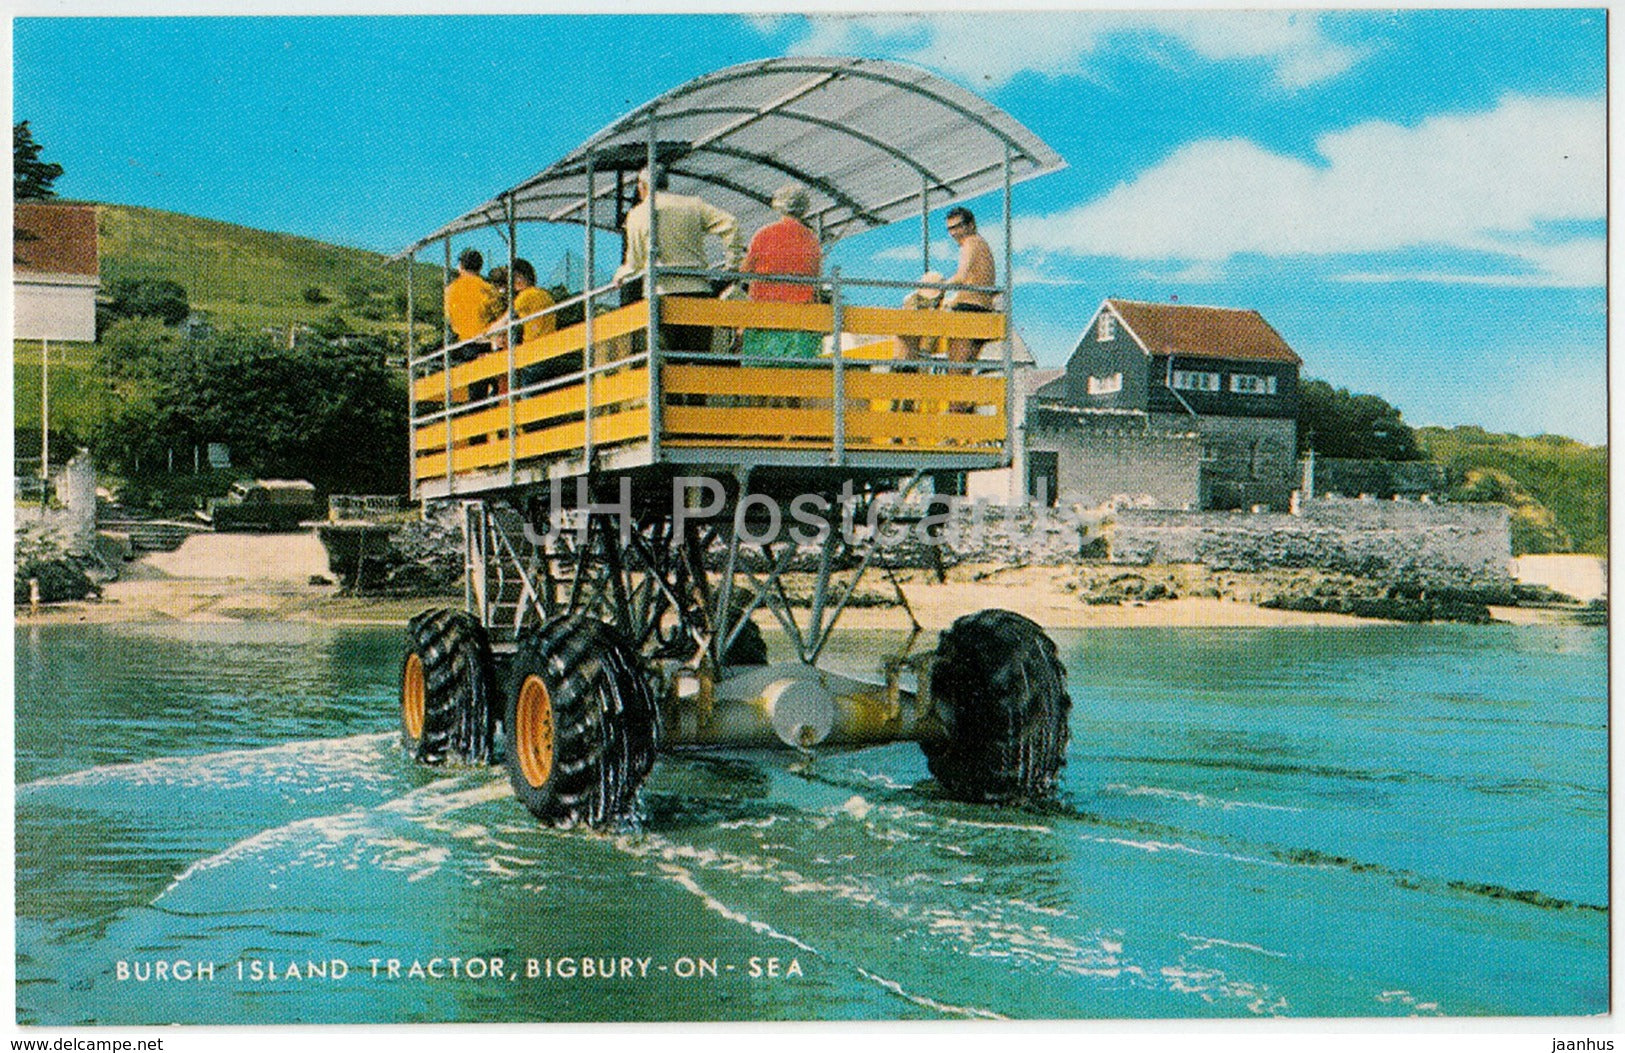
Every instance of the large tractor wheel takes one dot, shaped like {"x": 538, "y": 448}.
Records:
{"x": 581, "y": 720}
{"x": 999, "y": 689}
{"x": 448, "y": 691}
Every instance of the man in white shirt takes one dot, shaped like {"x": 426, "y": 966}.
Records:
{"x": 684, "y": 224}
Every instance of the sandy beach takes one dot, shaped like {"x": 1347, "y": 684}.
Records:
{"x": 284, "y": 577}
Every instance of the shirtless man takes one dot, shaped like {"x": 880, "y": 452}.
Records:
{"x": 975, "y": 268}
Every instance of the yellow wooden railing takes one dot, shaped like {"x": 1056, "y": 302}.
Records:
{"x": 885, "y": 405}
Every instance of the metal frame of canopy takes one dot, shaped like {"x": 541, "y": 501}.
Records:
{"x": 639, "y": 589}
{"x": 875, "y": 143}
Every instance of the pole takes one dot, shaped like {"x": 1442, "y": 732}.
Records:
{"x": 445, "y": 365}
{"x": 411, "y": 376}
{"x": 651, "y": 299}
{"x": 445, "y": 276}
{"x": 587, "y": 319}
{"x": 513, "y": 331}
{"x": 44, "y": 412}
{"x": 925, "y": 224}
{"x": 838, "y": 374}
{"x": 1009, "y": 323}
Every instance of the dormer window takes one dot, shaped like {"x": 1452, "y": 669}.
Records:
{"x": 1107, "y": 329}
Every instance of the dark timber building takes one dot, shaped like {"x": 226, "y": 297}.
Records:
{"x": 1169, "y": 405}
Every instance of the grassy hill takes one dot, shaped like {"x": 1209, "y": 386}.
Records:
{"x": 238, "y": 276}
{"x": 248, "y": 277}
{"x": 1556, "y": 487}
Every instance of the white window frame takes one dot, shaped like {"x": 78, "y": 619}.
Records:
{"x": 1107, "y": 385}
{"x": 1107, "y": 329}
{"x": 1195, "y": 380}
{"x": 1252, "y": 383}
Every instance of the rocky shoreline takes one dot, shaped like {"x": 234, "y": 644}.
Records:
{"x": 424, "y": 559}
{"x": 222, "y": 577}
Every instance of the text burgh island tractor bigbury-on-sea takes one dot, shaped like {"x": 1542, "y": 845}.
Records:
{"x": 629, "y": 508}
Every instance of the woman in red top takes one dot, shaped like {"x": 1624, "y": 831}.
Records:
{"x": 784, "y": 247}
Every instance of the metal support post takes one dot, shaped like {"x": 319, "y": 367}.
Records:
{"x": 445, "y": 366}
{"x": 826, "y": 563}
{"x": 474, "y": 559}
{"x": 719, "y": 622}
{"x": 871, "y": 547}
{"x": 512, "y": 331}
{"x": 445, "y": 279}
{"x": 411, "y": 377}
{"x": 925, "y": 223}
{"x": 586, "y": 290}
{"x": 651, "y": 296}
{"x": 1009, "y": 322}
{"x": 838, "y": 378}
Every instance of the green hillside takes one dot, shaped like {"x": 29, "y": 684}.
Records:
{"x": 242, "y": 276}
{"x": 1557, "y": 487}
{"x": 238, "y": 276}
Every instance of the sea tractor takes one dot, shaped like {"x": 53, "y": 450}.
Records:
{"x": 631, "y": 512}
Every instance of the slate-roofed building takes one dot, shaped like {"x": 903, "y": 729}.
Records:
{"x": 1172, "y": 405}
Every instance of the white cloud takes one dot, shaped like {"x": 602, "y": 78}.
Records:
{"x": 985, "y": 49}
{"x": 1482, "y": 183}
{"x": 1202, "y": 272}
{"x": 1034, "y": 276}
{"x": 943, "y": 249}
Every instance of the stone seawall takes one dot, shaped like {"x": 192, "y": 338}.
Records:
{"x": 1382, "y": 539}
{"x": 1389, "y": 540}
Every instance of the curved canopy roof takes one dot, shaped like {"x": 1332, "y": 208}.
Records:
{"x": 865, "y": 136}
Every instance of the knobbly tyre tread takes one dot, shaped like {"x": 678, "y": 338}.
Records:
{"x": 460, "y": 705}
{"x": 605, "y": 724}
{"x": 999, "y": 689}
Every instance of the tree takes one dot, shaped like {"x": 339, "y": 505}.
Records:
{"x": 331, "y": 326}
{"x": 1335, "y": 423}
{"x": 31, "y": 177}
{"x": 157, "y": 298}
{"x": 134, "y": 348}
{"x": 335, "y": 415}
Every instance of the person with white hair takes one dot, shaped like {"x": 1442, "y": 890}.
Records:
{"x": 684, "y": 224}
{"x": 926, "y": 298}
{"x": 785, "y": 246}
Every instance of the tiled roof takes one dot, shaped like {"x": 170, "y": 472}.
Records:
{"x": 60, "y": 239}
{"x": 1211, "y": 332}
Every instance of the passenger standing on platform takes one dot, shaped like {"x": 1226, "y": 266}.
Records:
{"x": 528, "y": 300}
{"x": 975, "y": 268}
{"x": 498, "y": 307}
{"x": 469, "y": 299}
{"x": 784, "y": 247}
{"x": 684, "y": 223}
{"x": 470, "y": 304}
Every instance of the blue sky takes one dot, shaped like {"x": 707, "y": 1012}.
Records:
{"x": 1414, "y": 199}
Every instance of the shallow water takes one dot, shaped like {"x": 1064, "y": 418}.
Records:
{"x": 1372, "y": 821}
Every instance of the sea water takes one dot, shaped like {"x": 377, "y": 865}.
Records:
{"x": 215, "y": 824}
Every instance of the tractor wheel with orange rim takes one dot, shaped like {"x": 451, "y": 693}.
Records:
{"x": 581, "y": 723}
{"x": 999, "y": 690}
{"x": 448, "y": 693}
